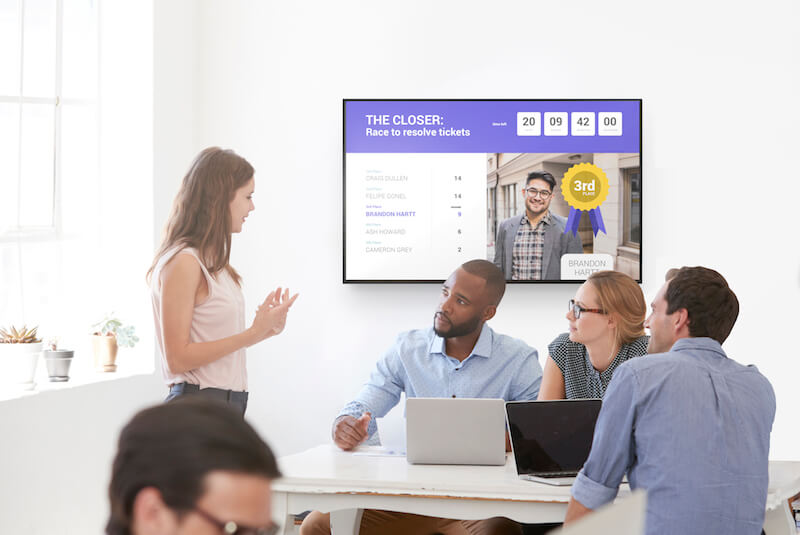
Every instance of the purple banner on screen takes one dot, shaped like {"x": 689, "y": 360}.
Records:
{"x": 453, "y": 126}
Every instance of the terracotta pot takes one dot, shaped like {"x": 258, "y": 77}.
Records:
{"x": 105, "y": 352}
{"x": 19, "y": 364}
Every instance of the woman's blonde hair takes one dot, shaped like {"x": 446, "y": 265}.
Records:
{"x": 621, "y": 297}
{"x": 201, "y": 213}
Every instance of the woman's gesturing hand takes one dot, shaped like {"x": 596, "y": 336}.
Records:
{"x": 271, "y": 314}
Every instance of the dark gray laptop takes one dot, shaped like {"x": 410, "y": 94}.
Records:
{"x": 551, "y": 440}
{"x": 455, "y": 431}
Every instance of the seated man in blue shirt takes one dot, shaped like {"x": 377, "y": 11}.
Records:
{"x": 460, "y": 356}
{"x": 687, "y": 423}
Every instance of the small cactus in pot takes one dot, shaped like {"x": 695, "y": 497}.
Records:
{"x": 12, "y": 335}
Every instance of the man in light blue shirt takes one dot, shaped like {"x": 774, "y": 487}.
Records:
{"x": 460, "y": 356}
{"x": 687, "y": 423}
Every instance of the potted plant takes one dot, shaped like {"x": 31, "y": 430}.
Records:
{"x": 19, "y": 353}
{"x": 57, "y": 361}
{"x": 107, "y": 335}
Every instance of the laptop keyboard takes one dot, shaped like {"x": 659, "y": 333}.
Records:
{"x": 563, "y": 473}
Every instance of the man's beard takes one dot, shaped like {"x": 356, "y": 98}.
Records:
{"x": 536, "y": 209}
{"x": 461, "y": 329}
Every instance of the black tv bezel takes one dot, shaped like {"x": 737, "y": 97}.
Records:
{"x": 345, "y": 280}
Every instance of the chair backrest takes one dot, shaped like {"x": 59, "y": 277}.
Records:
{"x": 623, "y": 517}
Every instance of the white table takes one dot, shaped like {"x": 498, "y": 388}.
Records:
{"x": 330, "y": 480}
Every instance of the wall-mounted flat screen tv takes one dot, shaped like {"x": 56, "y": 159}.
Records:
{"x": 548, "y": 190}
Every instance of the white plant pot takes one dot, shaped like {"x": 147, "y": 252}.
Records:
{"x": 18, "y": 364}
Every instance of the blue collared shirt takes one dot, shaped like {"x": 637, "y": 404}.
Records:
{"x": 692, "y": 427}
{"x": 498, "y": 367}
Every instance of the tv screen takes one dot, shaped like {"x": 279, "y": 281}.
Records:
{"x": 548, "y": 190}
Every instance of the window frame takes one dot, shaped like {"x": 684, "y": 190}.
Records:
{"x": 510, "y": 204}
{"x": 52, "y": 230}
{"x": 627, "y": 201}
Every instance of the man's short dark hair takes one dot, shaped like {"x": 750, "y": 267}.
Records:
{"x": 493, "y": 275}
{"x": 711, "y": 304}
{"x": 541, "y": 175}
{"x": 173, "y": 446}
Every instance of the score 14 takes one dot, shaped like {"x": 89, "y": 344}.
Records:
{"x": 457, "y": 209}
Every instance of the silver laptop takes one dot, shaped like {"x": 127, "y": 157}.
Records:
{"x": 455, "y": 431}
{"x": 551, "y": 440}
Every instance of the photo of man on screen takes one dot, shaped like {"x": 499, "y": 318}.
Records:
{"x": 530, "y": 246}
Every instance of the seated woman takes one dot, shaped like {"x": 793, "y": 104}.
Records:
{"x": 606, "y": 328}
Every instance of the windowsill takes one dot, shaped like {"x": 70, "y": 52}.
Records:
{"x": 9, "y": 392}
{"x": 82, "y": 371}
{"x": 629, "y": 252}
{"x": 29, "y": 234}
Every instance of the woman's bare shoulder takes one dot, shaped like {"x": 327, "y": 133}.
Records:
{"x": 183, "y": 265}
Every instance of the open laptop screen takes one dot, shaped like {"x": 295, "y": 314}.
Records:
{"x": 551, "y": 436}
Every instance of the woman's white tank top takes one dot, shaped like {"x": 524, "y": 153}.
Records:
{"x": 220, "y": 315}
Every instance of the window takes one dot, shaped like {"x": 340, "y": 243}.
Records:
{"x": 48, "y": 109}
{"x": 76, "y": 215}
{"x": 633, "y": 207}
{"x": 491, "y": 219}
{"x": 510, "y": 200}
{"x": 49, "y": 55}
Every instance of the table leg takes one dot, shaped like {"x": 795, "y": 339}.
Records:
{"x": 346, "y": 521}
{"x": 779, "y": 521}
{"x": 280, "y": 513}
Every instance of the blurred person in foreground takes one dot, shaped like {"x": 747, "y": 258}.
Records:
{"x": 191, "y": 467}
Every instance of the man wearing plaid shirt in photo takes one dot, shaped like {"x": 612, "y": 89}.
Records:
{"x": 530, "y": 246}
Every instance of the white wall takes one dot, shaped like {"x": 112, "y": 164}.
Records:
{"x": 57, "y": 449}
{"x": 267, "y": 79}
{"x": 719, "y": 87}
{"x": 176, "y": 116}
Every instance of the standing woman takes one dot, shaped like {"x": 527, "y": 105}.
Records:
{"x": 198, "y": 304}
{"x": 606, "y": 328}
